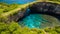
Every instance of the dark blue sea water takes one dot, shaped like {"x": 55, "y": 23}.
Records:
{"x": 17, "y": 1}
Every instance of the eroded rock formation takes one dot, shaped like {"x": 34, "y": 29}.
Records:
{"x": 48, "y": 8}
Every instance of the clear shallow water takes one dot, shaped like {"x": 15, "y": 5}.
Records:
{"x": 17, "y": 1}
{"x": 32, "y": 21}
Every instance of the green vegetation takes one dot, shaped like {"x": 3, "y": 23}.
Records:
{"x": 7, "y": 7}
{"x": 15, "y": 28}
{"x": 55, "y": 0}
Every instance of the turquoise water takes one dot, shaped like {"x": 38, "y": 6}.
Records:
{"x": 32, "y": 21}
{"x": 17, "y": 1}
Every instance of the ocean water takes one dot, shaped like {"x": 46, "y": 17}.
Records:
{"x": 17, "y": 1}
{"x": 32, "y": 21}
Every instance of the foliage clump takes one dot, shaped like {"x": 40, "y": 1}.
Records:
{"x": 7, "y": 7}
{"x": 55, "y": 0}
{"x": 15, "y": 28}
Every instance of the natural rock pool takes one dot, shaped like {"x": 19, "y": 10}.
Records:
{"x": 37, "y": 18}
{"x": 38, "y": 21}
{"x": 33, "y": 21}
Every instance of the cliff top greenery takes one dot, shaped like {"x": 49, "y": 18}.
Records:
{"x": 14, "y": 28}
{"x": 7, "y": 7}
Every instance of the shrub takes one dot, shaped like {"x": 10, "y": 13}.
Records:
{"x": 15, "y": 28}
